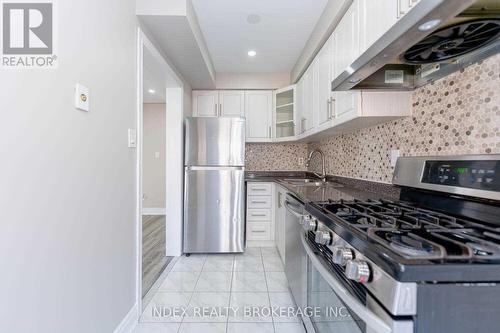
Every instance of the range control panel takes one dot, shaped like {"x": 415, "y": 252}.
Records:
{"x": 481, "y": 175}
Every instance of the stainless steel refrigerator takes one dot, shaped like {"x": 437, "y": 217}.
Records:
{"x": 214, "y": 189}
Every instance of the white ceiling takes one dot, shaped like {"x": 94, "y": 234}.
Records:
{"x": 278, "y": 38}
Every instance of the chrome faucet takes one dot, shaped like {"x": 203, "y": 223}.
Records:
{"x": 323, "y": 172}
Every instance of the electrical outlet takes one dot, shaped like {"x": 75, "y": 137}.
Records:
{"x": 394, "y": 157}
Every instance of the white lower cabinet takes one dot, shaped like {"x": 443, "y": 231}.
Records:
{"x": 266, "y": 212}
{"x": 260, "y": 211}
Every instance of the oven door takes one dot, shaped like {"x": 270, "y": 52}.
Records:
{"x": 336, "y": 305}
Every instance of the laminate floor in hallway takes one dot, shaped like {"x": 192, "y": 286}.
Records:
{"x": 154, "y": 260}
{"x": 255, "y": 279}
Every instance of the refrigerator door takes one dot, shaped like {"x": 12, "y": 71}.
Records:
{"x": 214, "y": 210}
{"x": 215, "y": 141}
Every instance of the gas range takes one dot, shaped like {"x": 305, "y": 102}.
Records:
{"x": 431, "y": 254}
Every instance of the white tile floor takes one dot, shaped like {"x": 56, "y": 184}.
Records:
{"x": 252, "y": 279}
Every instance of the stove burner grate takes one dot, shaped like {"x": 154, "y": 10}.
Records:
{"x": 416, "y": 233}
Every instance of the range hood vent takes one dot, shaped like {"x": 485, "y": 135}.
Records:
{"x": 410, "y": 55}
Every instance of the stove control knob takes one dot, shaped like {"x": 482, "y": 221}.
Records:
{"x": 323, "y": 237}
{"x": 305, "y": 219}
{"x": 310, "y": 224}
{"x": 341, "y": 255}
{"x": 358, "y": 271}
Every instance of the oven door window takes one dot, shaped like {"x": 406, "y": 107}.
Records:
{"x": 327, "y": 312}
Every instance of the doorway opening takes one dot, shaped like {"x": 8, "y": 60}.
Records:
{"x": 159, "y": 166}
{"x": 154, "y": 139}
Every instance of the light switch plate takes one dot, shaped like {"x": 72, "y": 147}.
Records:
{"x": 82, "y": 98}
{"x": 132, "y": 138}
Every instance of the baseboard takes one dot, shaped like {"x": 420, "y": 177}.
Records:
{"x": 153, "y": 211}
{"x": 130, "y": 321}
{"x": 261, "y": 243}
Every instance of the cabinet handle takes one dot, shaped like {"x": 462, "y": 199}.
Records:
{"x": 279, "y": 200}
{"x": 334, "y": 112}
{"x": 258, "y": 231}
{"x": 401, "y": 12}
{"x": 220, "y": 110}
{"x": 329, "y": 108}
{"x": 270, "y": 132}
{"x": 258, "y": 189}
{"x": 261, "y": 215}
{"x": 259, "y": 202}
{"x": 216, "y": 112}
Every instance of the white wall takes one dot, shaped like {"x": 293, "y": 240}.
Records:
{"x": 252, "y": 80}
{"x": 154, "y": 144}
{"x": 67, "y": 178}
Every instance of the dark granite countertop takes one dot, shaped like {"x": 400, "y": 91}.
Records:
{"x": 349, "y": 188}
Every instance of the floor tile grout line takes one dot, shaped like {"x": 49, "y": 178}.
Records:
{"x": 268, "y": 296}
{"x": 194, "y": 288}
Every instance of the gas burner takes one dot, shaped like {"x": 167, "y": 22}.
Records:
{"x": 417, "y": 233}
{"x": 407, "y": 244}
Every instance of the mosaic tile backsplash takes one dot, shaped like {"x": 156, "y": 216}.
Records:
{"x": 456, "y": 115}
{"x": 275, "y": 157}
{"x": 459, "y": 114}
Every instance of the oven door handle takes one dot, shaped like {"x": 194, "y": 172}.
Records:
{"x": 291, "y": 210}
{"x": 374, "y": 322}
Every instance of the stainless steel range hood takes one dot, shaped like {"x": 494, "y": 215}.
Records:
{"x": 435, "y": 39}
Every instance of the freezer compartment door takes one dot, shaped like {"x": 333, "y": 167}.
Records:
{"x": 214, "y": 210}
{"x": 215, "y": 141}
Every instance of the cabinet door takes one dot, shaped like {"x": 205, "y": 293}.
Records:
{"x": 232, "y": 103}
{"x": 376, "y": 18}
{"x": 300, "y": 105}
{"x": 308, "y": 103}
{"x": 345, "y": 51}
{"x": 324, "y": 108}
{"x": 205, "y": 103}
{"x": 258, "y": 113}
{"x": 404, "y": 6}
{"x": 347, "y": 39}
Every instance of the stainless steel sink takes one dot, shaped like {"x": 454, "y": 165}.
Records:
{"x": 313, "y": 182}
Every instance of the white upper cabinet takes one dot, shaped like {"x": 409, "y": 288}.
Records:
{"x": 218, "y": 103}
{"x": 232, "y": 103}
{"x": 258, "y": 113}
{"x": 404, "y": 6}
{"x": 376, "y": 18}
{"x": 307, "y": 114}
{"x": 299, "y": 91}
{"x": 324, "y": 111}
{"x": 346, "y": 48}
{"x": 205, "y": 103}
{"x": 346, "y": 36}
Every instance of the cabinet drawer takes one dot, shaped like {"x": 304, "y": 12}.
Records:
{"x": 259, "y": 202}
{"x": 259, "y": 215}
{"x": 258, "y": 231}
{"x": 259, "y": 188}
